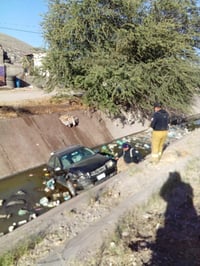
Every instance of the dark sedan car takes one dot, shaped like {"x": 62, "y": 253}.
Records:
{"x": 81, "y": 166}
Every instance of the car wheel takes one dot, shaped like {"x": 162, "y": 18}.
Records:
{"x": 84, "y": 183}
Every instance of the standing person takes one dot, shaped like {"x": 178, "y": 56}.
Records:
{"x": 130, "y": 154}
{"x": 159, "y": 124}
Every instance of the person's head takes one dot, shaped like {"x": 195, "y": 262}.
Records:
{"x": 157, "y": 106}
{"x": 126, "y": 146}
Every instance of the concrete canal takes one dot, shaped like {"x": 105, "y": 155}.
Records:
{"x": 26, "y": 195}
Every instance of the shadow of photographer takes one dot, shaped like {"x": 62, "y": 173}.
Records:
{"x": 178, "y": 241}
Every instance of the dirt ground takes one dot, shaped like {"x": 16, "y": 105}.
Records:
{"x": 165, "y": 231}
{"x": 30, "y": 101}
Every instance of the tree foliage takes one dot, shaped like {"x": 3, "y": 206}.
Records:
{"x": 124, "y": 54}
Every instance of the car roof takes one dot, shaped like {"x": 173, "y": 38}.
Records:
{"x": 67, "y": 149}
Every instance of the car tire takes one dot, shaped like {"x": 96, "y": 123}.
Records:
{"x": 84, "y": 184}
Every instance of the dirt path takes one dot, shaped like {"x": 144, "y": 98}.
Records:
{"x": 22, "y": 95}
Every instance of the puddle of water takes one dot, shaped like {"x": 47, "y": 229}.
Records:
{"x": 20, "y": 192}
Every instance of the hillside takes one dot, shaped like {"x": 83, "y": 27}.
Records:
{"x": 11, "y": 44}
{"x": 12, "y": 53}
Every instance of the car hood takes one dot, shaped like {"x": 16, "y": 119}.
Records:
{"x": 90, "y": 164}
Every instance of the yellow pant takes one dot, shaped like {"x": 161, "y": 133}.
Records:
{"x": 157, "y": 144}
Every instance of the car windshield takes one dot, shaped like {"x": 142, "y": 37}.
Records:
{"x": 76, "y": 156}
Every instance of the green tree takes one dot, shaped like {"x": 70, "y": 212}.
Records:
{"x": 124, "y": 54}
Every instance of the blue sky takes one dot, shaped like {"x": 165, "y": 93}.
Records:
{"x": 21, "y": 19}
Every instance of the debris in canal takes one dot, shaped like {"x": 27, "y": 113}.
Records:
{"x": 66, "y": 195}
{"x": 50, "y": 185}
{"x": 44, "y": 201}
{"x": 22, "y": 212}
{"x": 16, "y": 202}
{"x": 69, "y": 120}
{"x": 47, "y": 203}
{"x": 5, "y": 216}
{"x": 12, "y": 227}
{"x": 32, "y": 216}
{"x": 22, "y": 222}
{"x": 20, "y": 192}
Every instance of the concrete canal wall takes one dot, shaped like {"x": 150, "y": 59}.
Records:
{"x": 27, "y": 142}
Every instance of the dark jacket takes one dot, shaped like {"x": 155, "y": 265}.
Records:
{"x": 132, "y": 156}
{"x": 160, "y": 120}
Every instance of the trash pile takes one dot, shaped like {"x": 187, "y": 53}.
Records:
{"x": 18, "y": 209}
{"x": 55, "y": 195}
{"x": 141, "y": 141}
{"x": 69, "y": 120}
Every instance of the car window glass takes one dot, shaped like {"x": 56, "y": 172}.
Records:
{"x": 57, "y": 163}
{"x": 76, "y": 156}
{"x": 51, "y": 161}
{"x": 65, "y": 162}
{"x": 81, "y": 154}
{"x": 86, "y": 152}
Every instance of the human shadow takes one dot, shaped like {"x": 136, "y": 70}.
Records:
{"x": 178, "y": 241}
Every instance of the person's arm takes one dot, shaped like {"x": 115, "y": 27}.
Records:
{"x": 153, "y": 121}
